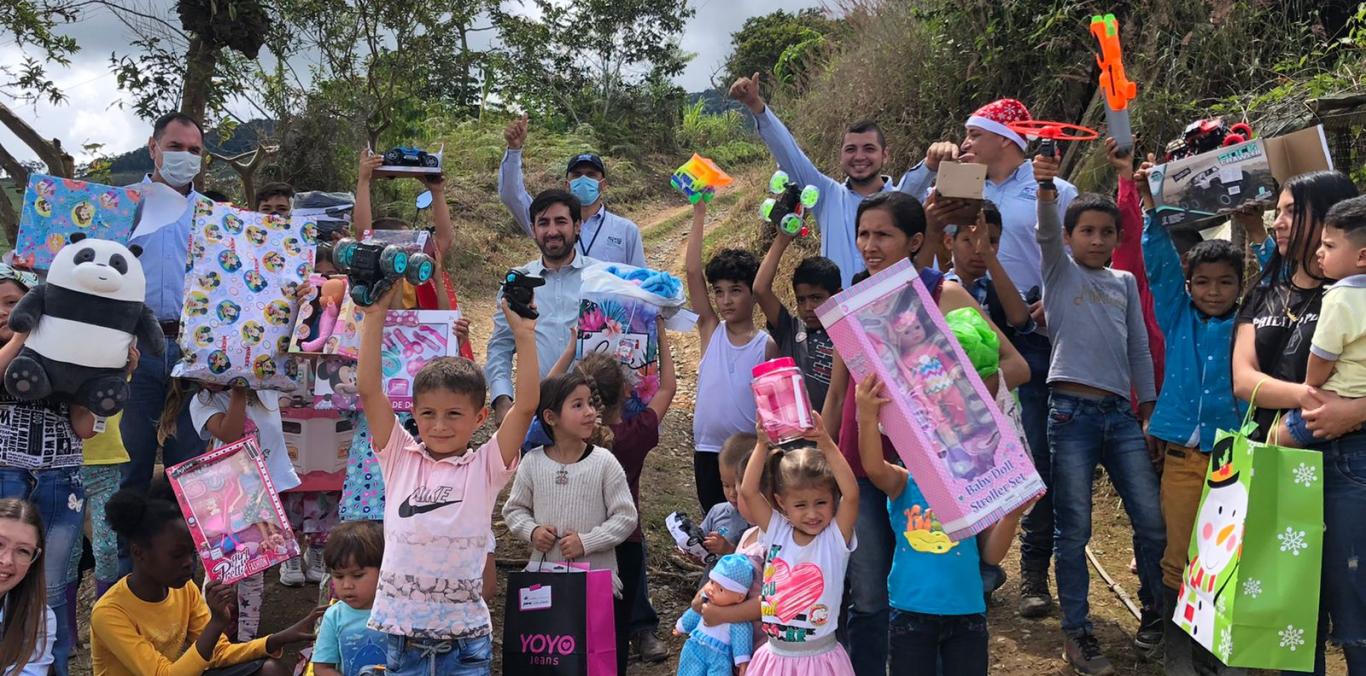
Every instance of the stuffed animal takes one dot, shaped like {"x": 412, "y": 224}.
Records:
{"x": 714, "y": 651}
{"x": 81, "y": 324}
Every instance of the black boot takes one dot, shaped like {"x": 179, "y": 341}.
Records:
{"x": 1035, "y": 601}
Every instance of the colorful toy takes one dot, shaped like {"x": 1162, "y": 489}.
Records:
{"x": 1202, "y": 136}
{"x": 519, "y": 289}
{"x": 619, "y": 311}
{"x": 404, "y": 156}
{"x": 715, "y": 651}
{"x": 784, "y": 409}
{"x": 786, "y": 212}
{"x": 233, "y": 511}
{"x": 373, "y": 268}
{"x": 81, "y": 323}
{"x": 699, "y": 178}
{"x": 981, "y": 344}
{"x": 411, "y": 339}
{"x": 329, "y": 300}
{"x": 1119, "y": 91}
{"x": 688, "y": 536}
{"x": 966, "y": 456}
{"x": 1050, "y": 133}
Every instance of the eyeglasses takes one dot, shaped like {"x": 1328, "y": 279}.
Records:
{"x": 21, "y": 554}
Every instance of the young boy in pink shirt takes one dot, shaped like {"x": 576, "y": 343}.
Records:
{"x": 440, "y": 498}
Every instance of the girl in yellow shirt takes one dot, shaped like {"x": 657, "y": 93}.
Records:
{"x": 143, "y": 624}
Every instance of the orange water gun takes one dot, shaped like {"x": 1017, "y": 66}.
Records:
{"x": 1119, "y": 91}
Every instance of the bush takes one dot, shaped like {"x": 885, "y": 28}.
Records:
{"x": 724, "y": 137}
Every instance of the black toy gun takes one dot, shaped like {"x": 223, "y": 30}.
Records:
{"x": 519, "y": 289}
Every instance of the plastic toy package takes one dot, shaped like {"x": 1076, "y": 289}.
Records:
{"x": 617, "y": 316}
{"x": 688, "y": 536}
{"x": 327, "y": 320}
{"x": 965, "y": 455}
{"x": 411, "y": 339}
{"x": 55, "y": 208}
{"x": 233, "y": 511}
{"x": 242, "y": 273}
{"x": 409, "y": 161}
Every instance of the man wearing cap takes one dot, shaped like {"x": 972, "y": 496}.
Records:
{"x": 863, "y": 153}
{"x": 605, "y": 236}
{"x": 1010, "y": 184}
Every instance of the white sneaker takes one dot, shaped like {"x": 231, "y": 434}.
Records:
{"x": 314, "y": 568}
{"x": 292, "y": 573}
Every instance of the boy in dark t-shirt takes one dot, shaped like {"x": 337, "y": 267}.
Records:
{"x": 802, "y": 337}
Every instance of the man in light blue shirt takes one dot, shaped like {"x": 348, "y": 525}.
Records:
{"x": 604, "y": 236}
{"x": 556, "y": 218}
{"x": 1010, "y": 185}
{"x": 176, "y": 145}
{"x": 862, "y": 156}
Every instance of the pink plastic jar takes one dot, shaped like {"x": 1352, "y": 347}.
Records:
{"x": 780, "y": 398}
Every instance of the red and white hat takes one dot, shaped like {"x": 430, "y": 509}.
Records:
{"x": 994, "y": 116}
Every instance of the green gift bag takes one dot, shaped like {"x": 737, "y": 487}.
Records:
{"x": 1250, "y": 594}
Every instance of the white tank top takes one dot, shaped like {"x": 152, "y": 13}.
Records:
{"x": 725, "y": 404}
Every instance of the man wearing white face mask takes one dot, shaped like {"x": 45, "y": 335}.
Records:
{"x": 176, "y": 147}
{"x": 605, "y": 236}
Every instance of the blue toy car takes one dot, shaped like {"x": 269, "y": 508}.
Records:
{"x": 410, "y": 157}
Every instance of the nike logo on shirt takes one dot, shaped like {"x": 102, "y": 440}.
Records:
{"x": 432, "y": 497}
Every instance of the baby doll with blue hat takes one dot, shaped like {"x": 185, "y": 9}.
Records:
{"x": 714, "y": 651}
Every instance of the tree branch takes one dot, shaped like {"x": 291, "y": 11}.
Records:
{"x": 46, "y": 151}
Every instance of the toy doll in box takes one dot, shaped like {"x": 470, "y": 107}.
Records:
{"x": 233, "y": 511}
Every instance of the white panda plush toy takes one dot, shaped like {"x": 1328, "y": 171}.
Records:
{"x": 81, "y": 323}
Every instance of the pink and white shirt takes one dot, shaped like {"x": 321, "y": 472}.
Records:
{"x": 436, "y": 539}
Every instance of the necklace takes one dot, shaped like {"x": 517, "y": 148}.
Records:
{"x": 1294, "y": 317}
{"x": 562, "y": 477}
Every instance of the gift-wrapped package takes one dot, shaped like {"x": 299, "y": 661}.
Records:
{"x": 618, "y": 311}
{"x": 411, "y": 339}
{"x": 56, "y": 208}
{"x": 233, "y": 511}
{"x": 965, "y": 455}
{"x": 242, "y": 275}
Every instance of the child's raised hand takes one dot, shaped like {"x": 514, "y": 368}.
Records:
{"x": 517, "y": 323}
{"x": 305, "y": 290}
{"x": 515, "y": 134}
{"x": 462, "y": 330}
{"x": 543, "y": 538}
{"x": 981, "y": 237}
{"x": 369, "y": 162}
{"x": 571, "y": 546}
{"x": 1123, "y": 163}
{"x": 1046, "y": 168}
{"x": 868, "y": 397}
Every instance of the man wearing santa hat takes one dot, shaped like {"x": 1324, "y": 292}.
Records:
{"x": 1010, "y": 184}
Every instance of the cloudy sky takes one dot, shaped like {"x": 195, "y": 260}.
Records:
{"x": 92, "y": 114}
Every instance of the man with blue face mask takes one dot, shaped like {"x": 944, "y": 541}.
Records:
{"x": 605, "y": 236}
{"x": 177, "y": 148}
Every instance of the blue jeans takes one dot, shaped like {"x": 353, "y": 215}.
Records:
{"x": 1084, "y": 433}
{"x": 869, "y": 566}
{"x": 957, "y": 643}
{"x": 60, "y": 498}
{"x": 1343, "y": 591}
{"x": 141, "y": 415}
{"x": 146, "y": 400}
{"x": 455, "y": 657}
{"x": 1036, "y": 528}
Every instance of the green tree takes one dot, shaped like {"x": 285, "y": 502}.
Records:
{"x": 776, "y": 44}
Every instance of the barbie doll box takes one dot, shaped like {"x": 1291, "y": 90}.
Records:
{"x": 964, "y": 454}
{"x": 233, "y": 511}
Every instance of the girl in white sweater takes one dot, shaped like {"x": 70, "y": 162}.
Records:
{"x": 570, "y": 499}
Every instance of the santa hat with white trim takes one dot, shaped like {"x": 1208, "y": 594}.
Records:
{"x": 994, "y": 117}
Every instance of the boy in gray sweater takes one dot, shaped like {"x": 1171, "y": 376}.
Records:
{"x": 1100, "y": 352}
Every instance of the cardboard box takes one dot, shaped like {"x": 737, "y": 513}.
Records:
{"x": 961, "y": 180}
{"x": 319, "y": 442}
{"x": 1213, "y": 184}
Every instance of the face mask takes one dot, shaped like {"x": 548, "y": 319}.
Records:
{"x": 178, "y": 167}
{"x": 585, "y": 189}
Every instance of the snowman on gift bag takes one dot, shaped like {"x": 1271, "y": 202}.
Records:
{"x": 1219, "y": 543}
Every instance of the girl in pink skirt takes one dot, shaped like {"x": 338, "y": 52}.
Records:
{"x": 808, "y": 524}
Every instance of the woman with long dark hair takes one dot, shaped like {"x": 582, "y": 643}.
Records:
{"x": 1270, "y": 354}
{"x": 28, "y": 627}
